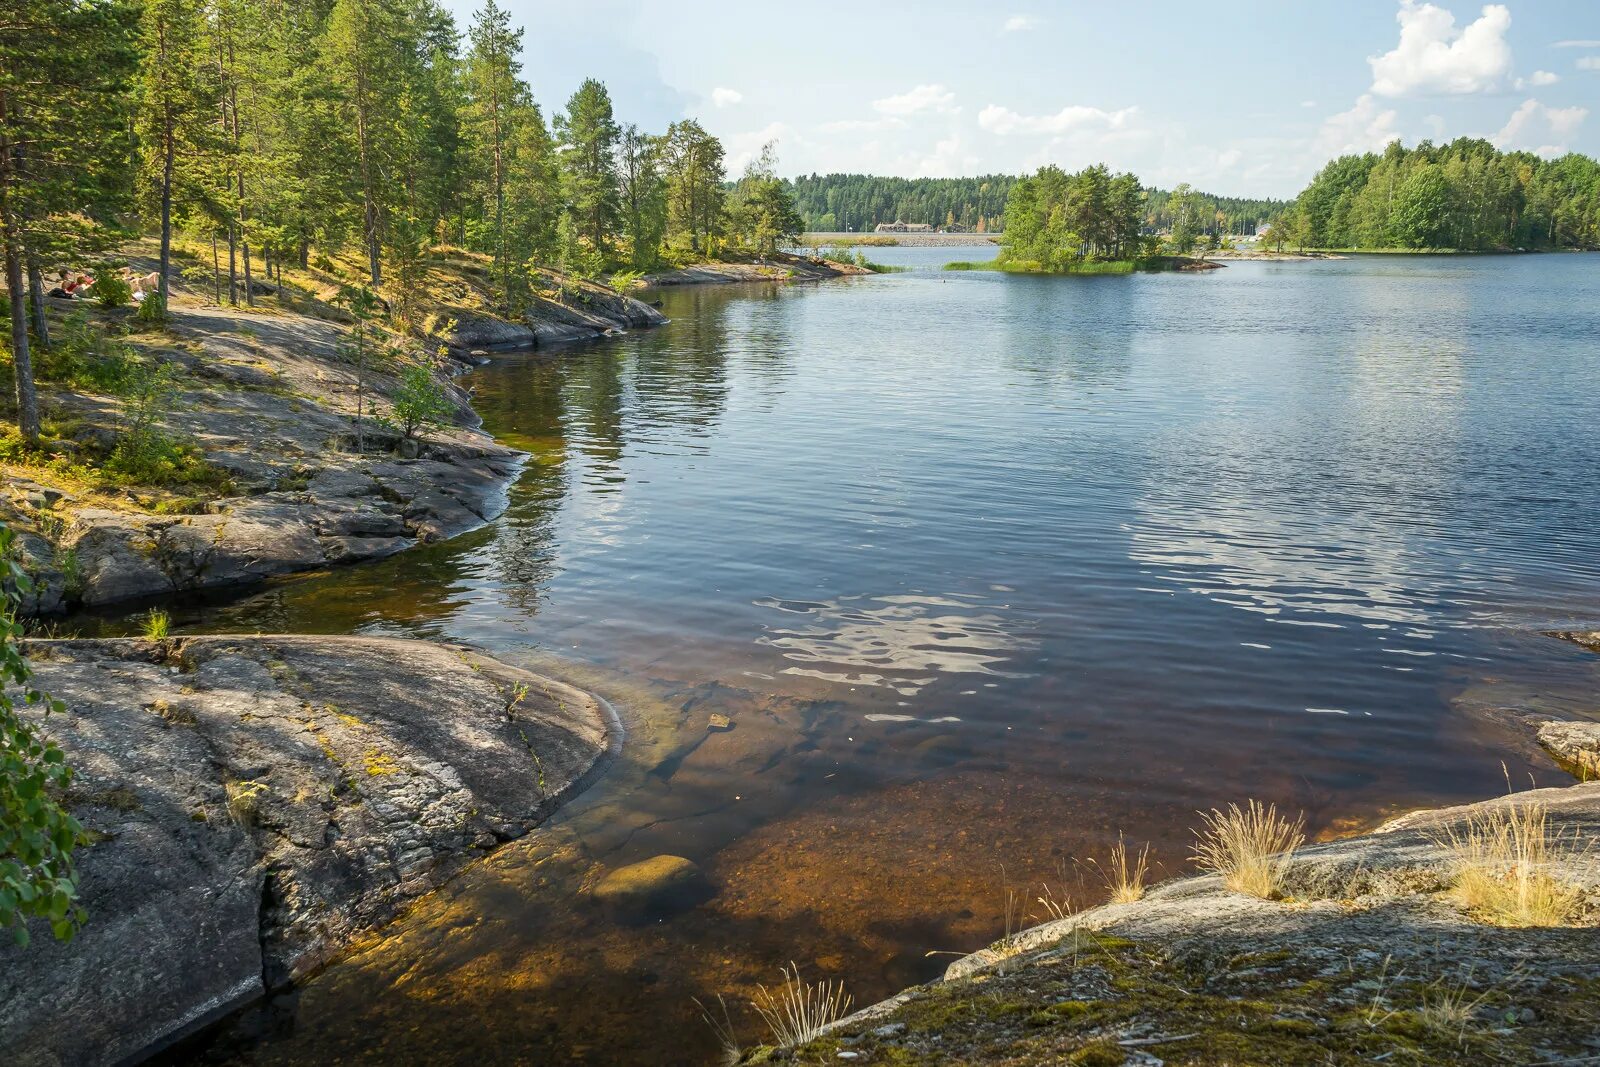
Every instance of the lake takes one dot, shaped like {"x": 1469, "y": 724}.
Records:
{"x": 986, "y": 571}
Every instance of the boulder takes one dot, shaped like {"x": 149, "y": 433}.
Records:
{"x": 652, "y": 888}
{"x": 255, "y": 803}
{"x": 1576, "y": 745}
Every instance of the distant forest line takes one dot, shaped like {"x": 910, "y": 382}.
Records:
{"x": 1465, "y": 194}
{"x": 837, "y": 203}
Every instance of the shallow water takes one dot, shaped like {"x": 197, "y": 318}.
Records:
{"x": 986, "y": 570}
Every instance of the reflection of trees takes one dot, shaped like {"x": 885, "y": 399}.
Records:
{"x": 1074, "y": 330}
{"x": 680, "y": 374}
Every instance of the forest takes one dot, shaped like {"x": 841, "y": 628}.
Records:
{"x": 832, "y": 203}
{"x": 279, "y": 132}
{"x": 1464, "y": 195}
{"x": 836, "y": 203}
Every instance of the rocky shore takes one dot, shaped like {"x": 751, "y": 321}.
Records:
{"x": 268, "y": 399}
{"x": 782, "y": 267}
{"x": 1366, "y": 956}
{"x": 255, "y": 802}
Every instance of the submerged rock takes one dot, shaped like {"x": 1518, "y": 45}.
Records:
{"x": 651, "y": 888}
{"x": 255, "y": 802}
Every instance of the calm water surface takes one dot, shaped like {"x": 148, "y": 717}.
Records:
{"x": 986, "y": 570}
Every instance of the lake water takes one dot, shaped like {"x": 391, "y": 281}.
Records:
{"x": 986, "y": 570}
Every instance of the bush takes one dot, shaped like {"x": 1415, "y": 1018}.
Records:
{"x": 111, "y": 290}
{"x": 419, "y": 402}
{"x": 153, "y": 312}
{"x": 85, "y": 357}
{"x": 37, "y": 834}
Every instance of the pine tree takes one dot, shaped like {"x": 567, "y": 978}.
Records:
{"x": 64, "y": 66}
{"x": 494, "y": 96}
{"x": 588, "y": 134}
{"x": 643, "y": 194}
{"x": 176, "y": 100}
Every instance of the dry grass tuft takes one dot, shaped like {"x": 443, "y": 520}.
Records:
{"x": 799, "y": 1011}
{"x": 1250, "y": 847}
{"x": 1123, "y": 876}
{"x": 1449, "y": 1008}
{"x": 721, "y": 1025}
{"x": 1502, "y": 871}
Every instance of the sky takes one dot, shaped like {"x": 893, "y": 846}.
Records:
{"x": 1237, "y": 97}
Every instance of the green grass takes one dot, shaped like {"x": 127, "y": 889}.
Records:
{"x": 883, "y": 268}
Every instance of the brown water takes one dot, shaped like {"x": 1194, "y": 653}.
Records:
{"x": 986, "y": 571}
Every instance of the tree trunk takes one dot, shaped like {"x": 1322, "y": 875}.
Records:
{"x": 27, "y": 395}
{"x": 41, "y": 323}
{"x": 216, "y": 269}
{"x": 166, "y": 218}
{"x": 233, "y": 267}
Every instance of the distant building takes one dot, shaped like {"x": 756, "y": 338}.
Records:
{"x": 902, "y": 227}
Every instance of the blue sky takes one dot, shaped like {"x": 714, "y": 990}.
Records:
{"x": 1236, "y": 96}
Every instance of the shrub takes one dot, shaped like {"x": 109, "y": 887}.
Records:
{"x": 85, "y": 357}
{"x": 111, "y": 290}
{"x": 419, "y": 402}
{"x": 144, "y": 452}
{"x": 153, "y": 311}
{"x": 157, "y": 625}
{"x": 37, "y": 834}
{"x": 1250, "y": 847}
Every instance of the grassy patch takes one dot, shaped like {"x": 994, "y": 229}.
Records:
{"x": 1249, "y": 847}
{"x": 1502, "y": 869}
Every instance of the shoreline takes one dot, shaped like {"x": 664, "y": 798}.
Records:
{"x": 1193, "y": 969}
{"x": 256, "y": 804}
{"x": 269, "y": 398}
{"x": 782, "y": 267}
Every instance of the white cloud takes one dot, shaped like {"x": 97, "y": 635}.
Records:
{"x": 1364, "y": 128}
{"x": 725, "y": 97}
{"x": 1004, "y": 121}
{"x": 1576, "y": 44}
{"x": 1536, "y": 79}
{"x": 949, "y": 159}
{"x": 1308, "y": 103}
{"x": 1435, "y": 57}
{"x": 888, "y": 122}
{"x": 922, "y": 98}
{"x": 744, "y": 147}
{"x": 1017, "y": 23}
{"x": 1589, "y": 63}
{"x": 1528, "y": 125}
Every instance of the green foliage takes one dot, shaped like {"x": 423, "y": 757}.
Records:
{"x": 85, "y": 357}
{"x": 157, "y": 625}
{"x": 110, "y": 290}
{"x": 1465, "y": 195}
{"x": 835, "y": 203}
{"x": 1060, "y": 220}
{"x": 588, "y": 133}
{"x": 420, "y": 402}
{"x": 153, "y": 311}
{"x": 37, "y": 834}
{"x": 761, "y": 210}
{"x": 144, "y": 452}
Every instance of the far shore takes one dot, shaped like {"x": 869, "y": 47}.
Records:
{"x": 906, "y": 240}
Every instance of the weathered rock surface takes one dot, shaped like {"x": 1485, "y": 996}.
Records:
{"x": 257, "y": 801}
{"x": 590, "y": 311}
{"x": 1366, "y": 958}
{"x": 782, "y": 267}
{"x": 1574, "y": 744}
{"x": 269, "y": 400}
